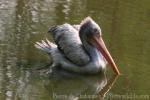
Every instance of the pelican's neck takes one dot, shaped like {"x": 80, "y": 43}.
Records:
{"x": 95, "y": 56}
{"x": 90, "y": 49}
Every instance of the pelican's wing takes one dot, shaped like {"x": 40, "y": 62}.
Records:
{"x": 67, "y": 39}
{"x": 77, "y": 27}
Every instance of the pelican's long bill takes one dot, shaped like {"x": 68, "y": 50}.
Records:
{"x": 102, "y": 48}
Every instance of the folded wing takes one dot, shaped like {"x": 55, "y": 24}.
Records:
{"x": 68, "y": 41}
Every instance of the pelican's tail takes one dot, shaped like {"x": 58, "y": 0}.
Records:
{"x": 45, "y": 46}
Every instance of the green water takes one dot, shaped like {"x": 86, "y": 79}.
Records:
{"x": 126, "y": 30}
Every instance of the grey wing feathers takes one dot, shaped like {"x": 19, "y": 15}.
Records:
{"x": 68, "y": 41}
{"x": 77, "y": 27}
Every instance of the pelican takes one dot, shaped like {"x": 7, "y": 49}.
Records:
{"x": 78, "y": 48}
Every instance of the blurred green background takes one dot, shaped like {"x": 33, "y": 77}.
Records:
{"x": 125, "y": 27}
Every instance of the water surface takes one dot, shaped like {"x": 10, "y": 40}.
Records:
{"x": 125, "y": 28}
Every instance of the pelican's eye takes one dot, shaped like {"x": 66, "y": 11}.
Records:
{"x": 95, "y": 30}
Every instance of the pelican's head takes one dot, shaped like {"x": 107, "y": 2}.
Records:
{"x": 91, "y": 33}
{"x": 89, "y": 28}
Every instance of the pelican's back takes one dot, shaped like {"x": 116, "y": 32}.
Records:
{"x": 68, "y": 41}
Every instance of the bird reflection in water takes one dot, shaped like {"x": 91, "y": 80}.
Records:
{"x": 79, "y": 87}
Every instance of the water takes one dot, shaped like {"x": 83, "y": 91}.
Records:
{"x": 125, "y": 27}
